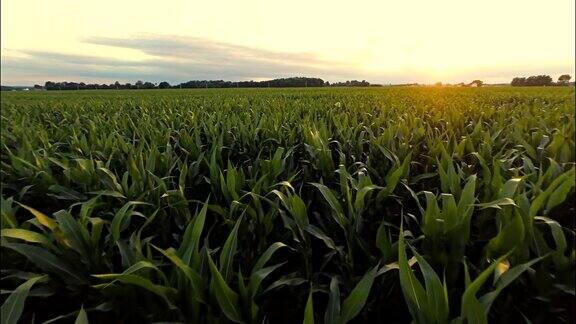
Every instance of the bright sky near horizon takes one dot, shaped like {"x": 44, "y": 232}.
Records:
{"x": 381, "y": 41}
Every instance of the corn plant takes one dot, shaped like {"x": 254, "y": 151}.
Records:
{"x": 288, "y": 205}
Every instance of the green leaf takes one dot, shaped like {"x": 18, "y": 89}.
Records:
{"x": 436, "y": 292}
{"x": 510, "y": 236}
{"x": 557, "y": 233}
{"x": 26, "y": 235}
{"x": 504, "y": 280}
{"x": 431, "y": 225}
{"x": 309, "y": 310}
{"x": 182, "y": 178}
{"x": 384, "y": 242}
{"x": 259, "y": 275}
{"x": 285, "y": 281}
{"x": 449, "y": 212}
{"x": 109, "y": 193}
{"x": 319, "y": 234}
{"x": 413, "y": 291}
{"x": 120, "y": 216}
{"x": 465, "y": 204}
{"x": 361, "y": 194}
{"x": 140, "y": 265}
{"x": 352, "y": 305}
{"x": 332, "y": 314}
{"x": 42, "y": 219}
{"x": 228, "y": 250}
{"x": 191, "y": 239}
{"x": 165, "y": 293}
{"x": 14, "y": 305}
{"x": 467, "y": 280}
{"x": 497, "y": 204}
{"x": 394, "y": 176}
{"x": 82, "y": 317}
{"x": 537, "y": 204}
{"x": 509, "y": 188}
{"x": 471, "y": 308}
{"x": 337, "y": 214}
{"x": 194, "y": 278}
{"x": 226, "y": 297}
{"x": 7, "y": 218}
{"x": 559, "y": 195}
{"x": 267, "y": 255}
{"x": 77, "y": 236}
{"x": 47, "y": 261}
{"x": 65, "y": 193}
{"x": 110, "y": 179}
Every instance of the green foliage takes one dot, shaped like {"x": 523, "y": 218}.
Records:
{"x": 14, "y": 304}
{"x": 431, "y": 205}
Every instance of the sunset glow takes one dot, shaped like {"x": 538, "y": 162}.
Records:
{"x": 448, "y": 41}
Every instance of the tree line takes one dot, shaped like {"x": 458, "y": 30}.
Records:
{"x": 535, "y": 80}
{"x": 275, "y": 83}
{"x": 540, "y": 80}
{"x": 352, "y": 83}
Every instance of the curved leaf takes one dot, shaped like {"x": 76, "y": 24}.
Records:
{"x": 14, "y": 305}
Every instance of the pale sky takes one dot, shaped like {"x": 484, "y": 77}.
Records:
{"x": 381, "y": 41}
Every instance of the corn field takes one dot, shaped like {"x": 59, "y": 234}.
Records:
{"x": 374, "y": 205}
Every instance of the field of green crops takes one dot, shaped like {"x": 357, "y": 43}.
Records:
{"x": 375, "y": 205}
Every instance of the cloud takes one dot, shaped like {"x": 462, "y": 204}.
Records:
{"x": 204, "y": 50}
{"x": 178, "y": 59}
{"x": 172, "y": 58}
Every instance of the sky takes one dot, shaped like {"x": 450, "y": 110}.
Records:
{"x": 381, "y": 41}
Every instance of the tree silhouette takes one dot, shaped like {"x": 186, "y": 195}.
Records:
{"x": 535, "y": 80}
{"x": 564, "y": 79}
{"x": 164, "y": 85}
{"x": 478, "y": 83}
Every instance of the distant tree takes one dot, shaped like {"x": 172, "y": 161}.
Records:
{"x": 518, "y": 82}
{"x": 564, "y": 79}
{"x": 285, "y": 82}
{"x": 534, "y": 80}
{"x": 350, "y": 83}
{"x": 478, "y": 83}
{"x": 539, "y": 80}
{"x": 148, "y": 85}
{"x": 438, "y": 84}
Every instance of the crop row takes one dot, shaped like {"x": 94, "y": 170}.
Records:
{"x": 281, "y": 206}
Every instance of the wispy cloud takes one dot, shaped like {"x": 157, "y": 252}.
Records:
{"x": 178, "y": 58}
{"x": 172, "y": 58}
{"x": 204, "y": 50}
